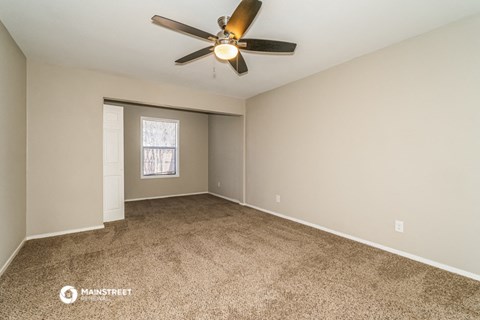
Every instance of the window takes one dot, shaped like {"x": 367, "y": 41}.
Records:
{"x": 159, "y": 147}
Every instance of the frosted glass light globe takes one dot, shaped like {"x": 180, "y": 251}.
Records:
{"x": 226, "y": 51}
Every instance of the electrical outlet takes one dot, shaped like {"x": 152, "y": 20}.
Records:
{"x": 277, "y": 198}
{"x": 398, "y": 226}
{"x": 219, "y": 184}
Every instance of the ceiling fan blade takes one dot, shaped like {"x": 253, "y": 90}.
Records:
{"x": 177, "y": 26}
{"x": 238, "y": 63}
{"x": 262, "y": 45}
{"x": 242, "y": 17}
{"x": 195, "y": 55}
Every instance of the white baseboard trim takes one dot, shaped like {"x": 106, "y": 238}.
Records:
{"x": 226, "y": 198}
{"x": 12, "y": 256}
{"x": 59, "y": 233}
{"x": 169, "y": 196}
{"x": 375, "y": 245}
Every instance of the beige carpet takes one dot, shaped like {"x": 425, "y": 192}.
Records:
{"x": 201, "y": 257}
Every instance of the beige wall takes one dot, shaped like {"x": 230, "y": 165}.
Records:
{"x": 225, "y": 160}
{"x": 65, "y": 138}
{"x": 12, "y": 145}
{"x": 193, "y": 154}
{"x": 391, "y": 135}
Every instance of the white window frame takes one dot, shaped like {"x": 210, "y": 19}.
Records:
{"x": 177, "y": 153}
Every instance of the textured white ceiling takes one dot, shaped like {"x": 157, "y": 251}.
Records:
{"x": 118, "y": 36}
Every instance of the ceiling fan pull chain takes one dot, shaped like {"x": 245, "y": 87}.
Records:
{"x": 213, "y": 69}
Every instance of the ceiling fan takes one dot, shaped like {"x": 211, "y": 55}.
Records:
{"x": 229, "y": 41}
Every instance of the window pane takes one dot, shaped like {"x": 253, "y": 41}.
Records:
{"x": 159, "y": 134}
{"x": 159, "y": 161}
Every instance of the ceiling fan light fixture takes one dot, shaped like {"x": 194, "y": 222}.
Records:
{"x": 228, "y": 42}
{"x": 226, "y": 51}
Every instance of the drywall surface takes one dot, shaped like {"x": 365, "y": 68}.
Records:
{"x": 193, "y": 162}
{"x": 65, "y": 110}
{"x": 393, "y": 135}
{"x": 225, "y": 156}
{"x": 13, "y": 145}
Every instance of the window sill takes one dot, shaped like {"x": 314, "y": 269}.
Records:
{"x": 161, "y": 176}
